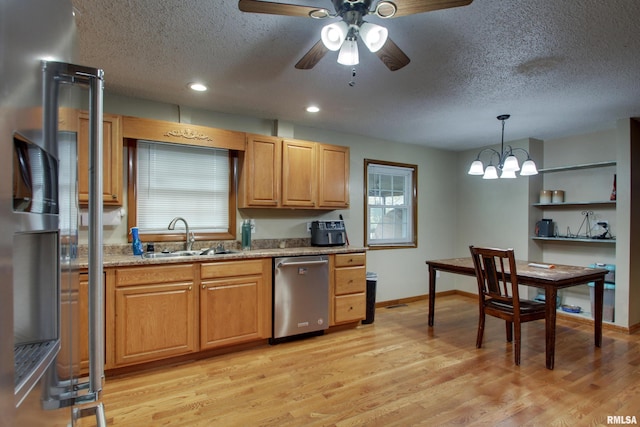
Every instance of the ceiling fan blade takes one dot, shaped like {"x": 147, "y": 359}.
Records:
{"x": 411, "y": 7}
{"x": 256, "y": 6}
{"x": 392, "y": 56}
{"x": 311, "y": 58}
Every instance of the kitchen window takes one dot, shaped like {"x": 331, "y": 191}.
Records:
{"x": 391, "y": 204}
{"x": 177, "y": 180}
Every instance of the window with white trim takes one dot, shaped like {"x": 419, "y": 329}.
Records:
{"x": 175, "y": 180}
{"x": 391, "y": 204}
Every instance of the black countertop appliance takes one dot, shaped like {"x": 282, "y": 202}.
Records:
{"x": 328, "y": 233}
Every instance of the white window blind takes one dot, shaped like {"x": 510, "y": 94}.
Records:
{"x": 389, "y": 204}
{"x": 186, "y": 181}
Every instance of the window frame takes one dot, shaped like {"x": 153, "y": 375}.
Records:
{"x": 132, "y": 201}
{"x": 413, "y": 210}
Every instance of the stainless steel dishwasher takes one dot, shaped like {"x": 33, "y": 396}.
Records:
{"x": 300, "y": 296}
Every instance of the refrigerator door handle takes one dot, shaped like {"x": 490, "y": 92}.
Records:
{"x": 56, "y": 73}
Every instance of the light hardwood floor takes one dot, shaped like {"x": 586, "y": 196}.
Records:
{"x": 394, "y": 372}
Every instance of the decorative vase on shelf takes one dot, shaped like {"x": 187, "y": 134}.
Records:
{"x": 613, "y": 192}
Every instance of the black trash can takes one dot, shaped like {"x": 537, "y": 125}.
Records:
{"x": 372, "y": 281}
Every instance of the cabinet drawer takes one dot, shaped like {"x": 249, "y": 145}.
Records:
{"x": 350, "y": 280}
{"x": 154, "y": 274}
{"x": 350, "y": 308}
{"x": 349, "y": 260}
{"x": 230, "y": 268}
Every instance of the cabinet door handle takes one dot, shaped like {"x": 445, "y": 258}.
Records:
{"x": 189, "y": 288}
{"x": 204, "y": 286}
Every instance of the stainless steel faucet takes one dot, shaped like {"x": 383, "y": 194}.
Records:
{"x": 189, "y": 236}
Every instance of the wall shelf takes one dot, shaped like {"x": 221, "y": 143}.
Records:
{"x": 611, "y": 203}
{"x": 574, "y": 239}
{"x": 577, "y": 167}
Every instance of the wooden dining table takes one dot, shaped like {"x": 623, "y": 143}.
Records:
{"x": 549, "y": 279}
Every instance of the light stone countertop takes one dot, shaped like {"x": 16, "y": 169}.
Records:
{"x": 119, "y": 260}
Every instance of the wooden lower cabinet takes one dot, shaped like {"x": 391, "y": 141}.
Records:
{"x": 83, "y": 321}
{"x": 349, "y": 299}
{"x": 162, "y": 311}
{"x": 155, "y": 313}
{"x": 235, "y": 301}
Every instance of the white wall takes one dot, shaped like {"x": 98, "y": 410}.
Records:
{"x": 401, "y": 273}
{"x": 491, "y": 213}
{"x": 498, "y": 213}
{"x": 582, "y": 185}
{"x": 455, "y": 210}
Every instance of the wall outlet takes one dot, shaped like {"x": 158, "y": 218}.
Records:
{"x": 253, "y": 226}
{"x": 309, "y": 227}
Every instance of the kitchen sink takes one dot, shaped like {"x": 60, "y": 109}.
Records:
{"x": 217, "y": 251}
{"x": 169, "y": 254}
{"x": 176, "y": 254}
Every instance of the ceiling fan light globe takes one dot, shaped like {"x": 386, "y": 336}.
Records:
{"x": 348, "y": 53}
{"x": 333, "y": 35}
{"x": 477, "y": 168}
{"x": 374, "y": 36}
{"x": 529, "y": 168}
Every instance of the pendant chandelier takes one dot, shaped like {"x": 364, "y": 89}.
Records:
{"x": 506, "y": 161}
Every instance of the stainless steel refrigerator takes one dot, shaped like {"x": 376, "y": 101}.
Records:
{"x": 40, "y": 381}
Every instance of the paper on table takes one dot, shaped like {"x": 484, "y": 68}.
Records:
{"x": 533, "y": 264}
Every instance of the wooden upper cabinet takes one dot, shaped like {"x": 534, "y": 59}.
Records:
{"x": 261, "y": 170}
{"x": 299, "y": 180}
{"x": 289, "y": 173}
{"x": 333, "y": 181}
{"x": 112, "y": 159}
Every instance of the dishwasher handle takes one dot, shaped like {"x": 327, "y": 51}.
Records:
{"x": 301, "y": 263}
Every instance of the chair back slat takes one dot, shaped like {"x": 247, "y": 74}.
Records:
{"x": 495, "y": 280}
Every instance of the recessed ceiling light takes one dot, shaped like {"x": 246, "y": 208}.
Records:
{"x": 313, "y": 109}
{"x": 199, "y": 87}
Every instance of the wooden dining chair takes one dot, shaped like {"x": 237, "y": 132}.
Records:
{"x": 498, "y": 294}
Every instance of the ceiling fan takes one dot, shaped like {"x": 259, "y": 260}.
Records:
{"x": 342, "y": 35}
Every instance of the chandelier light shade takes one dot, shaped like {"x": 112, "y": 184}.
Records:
{"x": 348, "y": 53}
{"x": 333, "y": 35}
{"x": 507, "y": 161}
{"x": 529, "y": 168}
{"x": 507, "y": 174}
{"x": 374, "y": 36}
{"x": 511, "y": 164}
{"x": 490, "y": 173}
{"x": 477, "y": 168}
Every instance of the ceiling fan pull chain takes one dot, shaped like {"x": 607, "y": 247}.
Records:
{"x": 352, "y": 82}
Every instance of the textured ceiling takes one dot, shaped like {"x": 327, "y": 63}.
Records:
{"x": 558, "y": 67}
